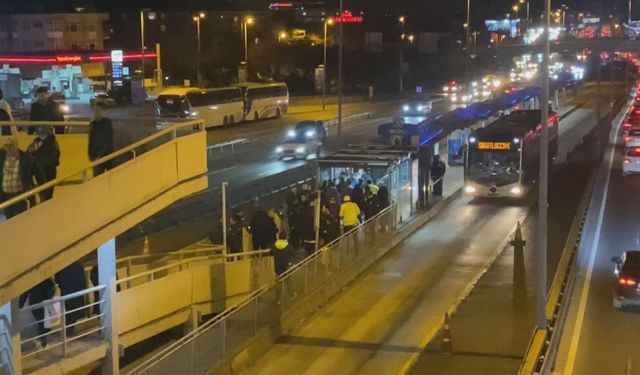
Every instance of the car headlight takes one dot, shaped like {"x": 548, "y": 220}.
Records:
{"x": 469, "y": 189}
{"x": 420, "y": 108}
{"x": 406, "y": 108}
{"x": 194, "y": 114}
{"x": 279, "y": 149}
{"x": 64, "y": 108}
{"x": 516, "y": 190}
{"x": 310, "y": 133}
{"x": 445, "y": 89}
{"x": 291, "y": 134}
{"x": 300, "y": 150}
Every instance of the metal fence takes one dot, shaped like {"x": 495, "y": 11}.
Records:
{"x": 60, "y": 321}
{"x": 279, "y": 306}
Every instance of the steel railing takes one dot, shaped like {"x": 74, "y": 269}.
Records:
{"x": 68, "y": 327}
{"x": 16, "y": 127}
{"x": 133, "y": 151}
{"x": 298, "y": 291}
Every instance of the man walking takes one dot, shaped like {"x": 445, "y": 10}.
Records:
{"x": 18, "y": 170}
{"x": 350, "y": 214}
{"x": 438, "y": 169}
{"x": 100, "y": 139}
{"x": 46, "y": 151}
{"x": 45, "y": 109}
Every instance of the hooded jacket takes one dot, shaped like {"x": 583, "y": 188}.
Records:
{"x": 281, "y": 253}
{"x": 349, "y": 212}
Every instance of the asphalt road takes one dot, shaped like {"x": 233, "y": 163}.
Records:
{"x": 599, "y": 339}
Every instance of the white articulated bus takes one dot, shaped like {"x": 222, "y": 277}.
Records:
{"x": 264, "y": 100}
{"x": 217, "y": 107}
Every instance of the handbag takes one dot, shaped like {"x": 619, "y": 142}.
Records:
{"x": 53, "y": 311}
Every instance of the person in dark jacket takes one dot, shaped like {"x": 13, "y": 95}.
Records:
{"x": 331, "y": 192}
{"x": 19, "y": 173}
{"x": 45, "y": 109}
{"x": 71, "y": 280}
{"x": 41, "y": 292}
{"x": 101, "y": 138}
{"x": 282, "y": 254}
{"x": 329, "y": 226}
{"x": 263, "y": 230}
{"x": 306, "y": 228}
{"x": 46, "y": 151}
{"x": 234, "y": 235}
{"x": 438, "y": 169}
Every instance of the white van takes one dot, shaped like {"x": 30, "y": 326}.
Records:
{"x": 217, "y": 107}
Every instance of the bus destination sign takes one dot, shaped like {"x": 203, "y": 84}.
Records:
{"x": 494, "y": 146}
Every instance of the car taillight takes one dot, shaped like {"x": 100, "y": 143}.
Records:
{"x": 627, "y": 139}
{"x": 626, "y": 281}
{"x": 627, "y": 161}
{"x": 626, "y": 125}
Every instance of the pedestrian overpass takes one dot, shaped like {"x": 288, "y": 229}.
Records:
{"x": 136, "y": 297}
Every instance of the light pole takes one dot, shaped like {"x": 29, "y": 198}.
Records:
{"x": 629, "y": 12}
{"x": 541, "y": 295}
{"x": 247, "y": 21}
{"x": 401, "y": 21}
{"x": 142, "y": 43}
{"x": 340, "y": 60}
{"x": 467, "y": 26}
{"x": 197, "y": 19}
{"x": 522, "y": 2}
{"x": 516, "y": 9}
{"x": 327, "y": 23}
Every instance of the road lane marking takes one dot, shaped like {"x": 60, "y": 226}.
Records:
{"x": 221, "y": 170}
{"x": 586, "y": 284}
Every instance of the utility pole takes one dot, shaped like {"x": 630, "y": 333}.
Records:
{"x": 466, "y": 41}
{"x": 541, "y": 295}
{"x": 142, "y": 43}
{"x": 340, "y": 68}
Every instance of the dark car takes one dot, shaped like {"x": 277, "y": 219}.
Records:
{"x": 627, "y": 271}
{"x": 309, "y": 130}
{"x": 416, "y": 107}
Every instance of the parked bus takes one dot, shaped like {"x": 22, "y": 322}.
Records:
{"x": 503, "y": 159}
{"x": 264, "y": 100}
{"x": 217, "y": 107}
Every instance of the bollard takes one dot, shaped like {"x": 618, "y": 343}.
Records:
{"x": 145, "y": 246}
{"x": 447, "y": 346}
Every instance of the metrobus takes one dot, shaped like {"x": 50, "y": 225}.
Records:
{"x": 264, "y": 100}
{"x": 217, "y": 107}
{"x": 503, "y": 159}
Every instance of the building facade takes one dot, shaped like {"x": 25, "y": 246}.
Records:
{"x": 29, "y": 33}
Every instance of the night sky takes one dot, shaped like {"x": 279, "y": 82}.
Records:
{"x": 425, "y": 12}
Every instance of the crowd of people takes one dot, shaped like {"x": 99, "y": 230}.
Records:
{"x": 23, "y": 170}
{"x": 289, "y": 231}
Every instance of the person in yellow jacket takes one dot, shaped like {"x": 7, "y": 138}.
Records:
{"x": 349, "y": 213}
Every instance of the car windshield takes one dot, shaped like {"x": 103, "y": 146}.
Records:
{"x": 494, "y": 167}
{"x": 172, "y": 104}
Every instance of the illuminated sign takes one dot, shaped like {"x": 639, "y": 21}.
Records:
{"x": 69, "y": 59}
{"x": 494, "y": 146}
{"x": 276, "y": 6}
{"x": 348, "y": 17}
{"x": 505, "y": 26}
{"x": 117, "y": 57}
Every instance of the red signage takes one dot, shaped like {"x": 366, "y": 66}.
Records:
{"x": 347, "y": 17}
{"x": 69, "y": 59}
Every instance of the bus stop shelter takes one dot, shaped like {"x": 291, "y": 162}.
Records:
{"x": 396, "y": 168}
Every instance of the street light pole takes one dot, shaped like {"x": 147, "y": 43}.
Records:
{"x": 541, "y": 295}
{"x": 401, "y": 20}
{"x": 629, "y": 12}
{"x": 340, "y": 73}
{"x": 247, "y": 21}
{"x": 327, "y": 22}
{"x": 197, "y": 19}
{"x": 466, "y": 41}
{"x": 142, "y": 43}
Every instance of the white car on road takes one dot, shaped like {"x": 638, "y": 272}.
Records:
{"x": 631, "y": 163}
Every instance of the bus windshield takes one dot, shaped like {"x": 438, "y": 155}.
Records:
{"x": 497, "y": 168}
{"x": 172, "y": 105}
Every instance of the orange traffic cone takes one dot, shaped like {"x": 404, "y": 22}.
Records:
{"x": 145, "y": 246}
{"x": 446, "y": 347}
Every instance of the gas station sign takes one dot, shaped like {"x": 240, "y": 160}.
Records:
{"x": 348, "y": 17}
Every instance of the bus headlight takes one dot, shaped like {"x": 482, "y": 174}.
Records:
{"x": 194, "y": 114}
{"x": 420, "y": 108}
{"x": 469, "y": 189}
{"x": 310, "y": 134}
{"x": 291, "y": 134}
{"x": 279, "y": 150}
{"x": 516, "y": 190}
{"x": 300, "y": 150}
{"x": 406, "y": 108}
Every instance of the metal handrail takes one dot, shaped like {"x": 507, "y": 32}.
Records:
{"x": 255, "y": 295}
{"x": 31, "y": 124}
{"x": 131, "y": 148}
{"x": 64, "y": 298}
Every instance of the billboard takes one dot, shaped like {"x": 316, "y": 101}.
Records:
{"x": 505, "y": 26}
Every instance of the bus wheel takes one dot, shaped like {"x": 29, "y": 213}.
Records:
{"x": 225, "y": 121}
{"x": 256, "y": 116}
{"x": 232, "y": 120}
{"x": 278, "y": 113}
